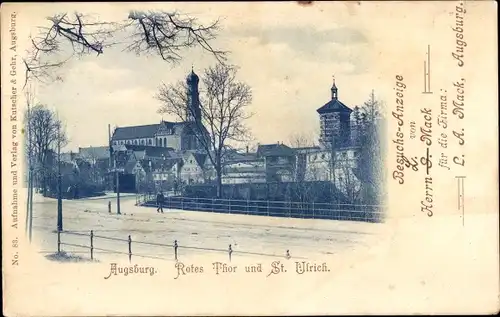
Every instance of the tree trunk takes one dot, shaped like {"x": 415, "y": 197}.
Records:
{"x": 219, "y": 182}
{"x": 44, "y": 185}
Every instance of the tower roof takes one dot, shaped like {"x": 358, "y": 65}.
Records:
{"x": 192, "y": 77}
{"x": 334, "y": 105}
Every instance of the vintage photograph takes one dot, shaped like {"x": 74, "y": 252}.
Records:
{"x": 162, "y": 148}
{"x": 108, "y": 162}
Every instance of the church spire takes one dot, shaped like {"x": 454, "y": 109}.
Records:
{"x": 193, "y": 111}
{"x": 334, "y": 89}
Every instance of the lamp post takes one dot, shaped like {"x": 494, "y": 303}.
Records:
{"x": 162, "y": 174}
{"x": 117, "y": 188}
{"x": 59, "y": 182}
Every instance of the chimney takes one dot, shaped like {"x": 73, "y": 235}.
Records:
{"x": 247, "y": 149}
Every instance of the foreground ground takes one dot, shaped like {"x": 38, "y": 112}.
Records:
{"x": 410, "y": 264}
{"x": 202, "y": 232}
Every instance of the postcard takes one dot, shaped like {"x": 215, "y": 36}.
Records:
{"x": 250, "y": 158}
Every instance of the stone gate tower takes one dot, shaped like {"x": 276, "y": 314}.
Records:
{"x": 335, "y": 122}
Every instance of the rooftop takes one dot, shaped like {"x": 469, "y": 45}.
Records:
{"x": 133, "y": 132}
{"x": 334, "y": 105}
{"x": 276, "y": 149}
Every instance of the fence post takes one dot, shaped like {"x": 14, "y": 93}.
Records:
{"x": 229, "y": 202}
{"x": 230, "y": 252}
{"x": 58, "y": 241}
{"x": 182, "y": 203}
{"x": 248, "y": 207}
{"x": 212, "y": 205}
{"x": 91, "y": 244}
{"x": 268, "y": 208}
{"x": 313, "y": 211}
{"x": 129, "y": 249}
{"x": 175, "y": 249}
{"x": 109, "y": 206}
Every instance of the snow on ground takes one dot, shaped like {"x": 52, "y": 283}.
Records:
{"x": 264, "y": 236}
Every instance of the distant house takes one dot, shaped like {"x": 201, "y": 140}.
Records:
{"x": 243, "y": 169}
{"x": 166, "y": 173}
{"x": 279, "y": 160}
{"x": 151, "y": 153}
{"x": 193, "y": 168}
{"x": 301, "y": 161}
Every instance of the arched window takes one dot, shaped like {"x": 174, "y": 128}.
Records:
{"x": 135, "y": 142}
{"x": 161, "y": 142}
{"x": 149, "y": 141}
{"x": 165, "y": 142}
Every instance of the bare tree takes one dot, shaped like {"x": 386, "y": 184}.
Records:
{"x": 347, "y": 182}
{"x": 223, "y": 112}
{"x": 46, "y": 134}
{"x": 68, "y": 35}
{"x": 370, "y": 123}
{"x": 301, "y": 139}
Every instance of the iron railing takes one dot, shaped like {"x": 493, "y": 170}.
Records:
{"x": 133, "y": 245}
{"x": 289, "y": 209}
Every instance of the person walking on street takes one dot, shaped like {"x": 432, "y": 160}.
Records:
{"x": 159, "y": 202}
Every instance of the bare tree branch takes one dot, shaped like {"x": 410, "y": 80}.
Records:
{"x": 162, "y": 33}
{"x": 223, "y": 111}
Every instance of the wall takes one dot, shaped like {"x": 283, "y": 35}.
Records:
{"x": 138, "y": 141}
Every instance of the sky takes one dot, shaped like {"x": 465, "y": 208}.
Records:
{"x": 288, "y": 64}
{"x": 286, "y": 52}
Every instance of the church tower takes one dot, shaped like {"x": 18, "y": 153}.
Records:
{"x": 193, "y": 111}
{"x": 335, "y": 122}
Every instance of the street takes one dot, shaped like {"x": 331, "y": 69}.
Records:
{"x": 204, "y": 231}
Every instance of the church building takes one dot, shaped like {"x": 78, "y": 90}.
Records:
{"x": 180, "y": 136}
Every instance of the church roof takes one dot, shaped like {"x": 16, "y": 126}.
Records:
{"x": 334, "y": 105}
{"x": 135, "y": 132}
